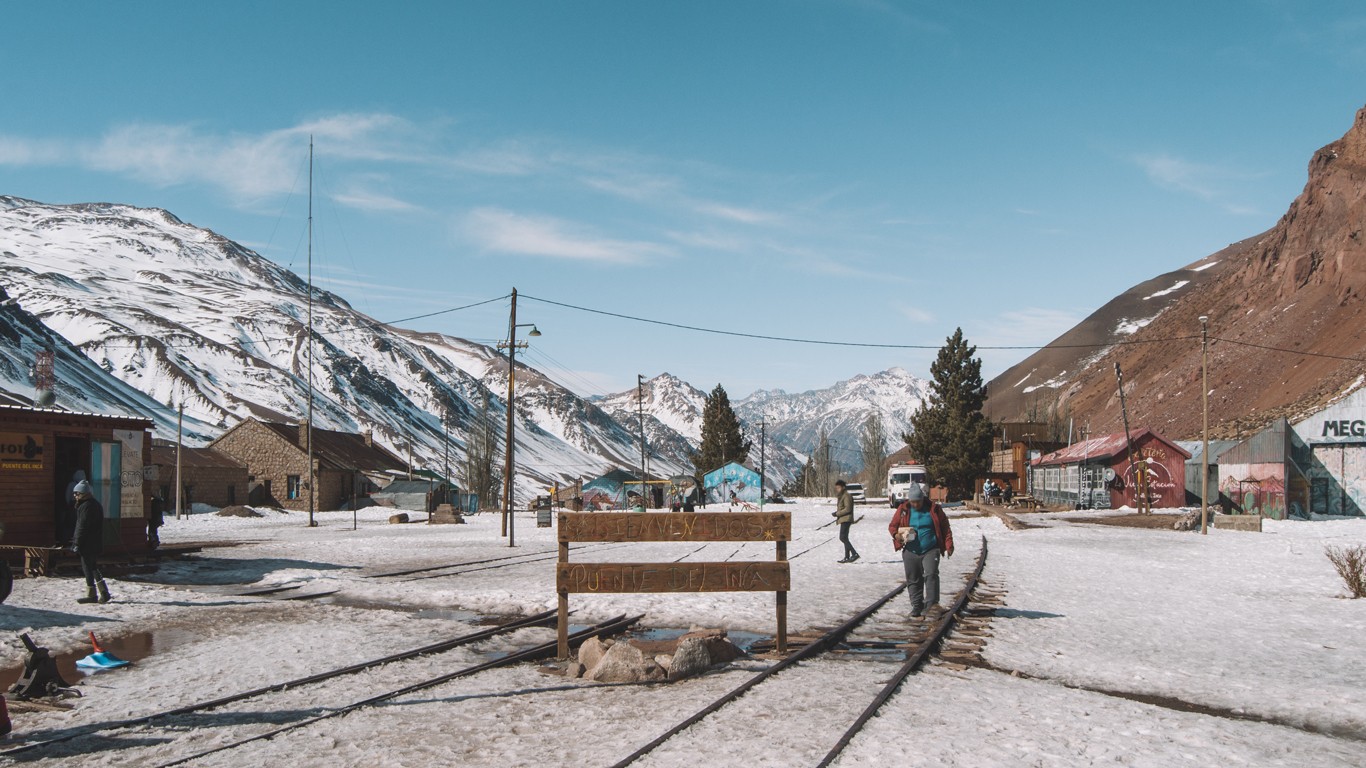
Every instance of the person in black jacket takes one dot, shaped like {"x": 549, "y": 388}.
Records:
{"x": 88, "y": 542}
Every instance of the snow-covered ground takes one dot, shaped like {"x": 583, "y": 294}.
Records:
{"x": 1243, "y": 644}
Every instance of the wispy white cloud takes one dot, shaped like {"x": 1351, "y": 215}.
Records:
{"x": 914, "y": 313}
{"x": 1207, "y": 182}
{"x": 245, "y": 166}
{"x": 1027, "y": 327}
{"x": 504, "y": 231}
{"x": 366, "y": 200}
{"x": 16, "y": 150}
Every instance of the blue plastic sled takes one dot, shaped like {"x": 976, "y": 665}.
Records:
{"x": 100, "y": 659}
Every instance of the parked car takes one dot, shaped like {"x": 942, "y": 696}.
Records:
{"x": 856, "y": 490}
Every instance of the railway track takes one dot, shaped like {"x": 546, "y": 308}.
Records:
{"x": 106, "y": 733}
{"x": 917, "y": 649}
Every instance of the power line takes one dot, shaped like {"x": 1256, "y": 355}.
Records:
{"x": 1290, "y": 351}
{"x": 335, "y": 334}
{"x": 763, "y": 337}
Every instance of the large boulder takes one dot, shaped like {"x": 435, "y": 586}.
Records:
{"x": 625, "y": 663}
{"x": 691, "y": 658}
{"x": 719, "y": 648}
{"x": 592, "y": 651}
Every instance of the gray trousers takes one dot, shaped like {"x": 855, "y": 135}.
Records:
{"x": 922, "y": 577}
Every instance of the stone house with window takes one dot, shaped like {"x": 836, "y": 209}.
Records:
{"x": 346, "y": 465}
{"x": 207, "y": 476}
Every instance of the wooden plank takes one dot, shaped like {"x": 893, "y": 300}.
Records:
{"x": 675, "y": 526}
{"x": 672, "y": 577}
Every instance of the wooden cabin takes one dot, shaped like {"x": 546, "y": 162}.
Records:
{"x": 42, "y": 449}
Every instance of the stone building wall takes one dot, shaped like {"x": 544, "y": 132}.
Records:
{"x": 269, "y": 459}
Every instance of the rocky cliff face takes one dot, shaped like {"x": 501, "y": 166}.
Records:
{"x": 1287, "y": 325}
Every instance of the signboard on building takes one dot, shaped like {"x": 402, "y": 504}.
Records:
{"x": 130, "y": 472}
{"x": 21, "y": 450}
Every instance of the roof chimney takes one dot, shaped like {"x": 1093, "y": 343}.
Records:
{"x": 369, "y": 438}
{"x": 303, "y": 433}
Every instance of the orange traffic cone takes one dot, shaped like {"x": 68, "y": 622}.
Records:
{"x": 95, "y": 643}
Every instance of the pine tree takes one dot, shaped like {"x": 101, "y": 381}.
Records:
{"x": 950, "y": 434}
{"x": 722, "y": 440}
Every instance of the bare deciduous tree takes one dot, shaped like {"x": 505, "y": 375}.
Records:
{"x": 874, "y": 448}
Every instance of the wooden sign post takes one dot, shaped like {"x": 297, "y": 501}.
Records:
{"x": 741, "y": 576}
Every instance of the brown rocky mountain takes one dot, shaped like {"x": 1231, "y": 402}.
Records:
{"x": 1287, "y": 326}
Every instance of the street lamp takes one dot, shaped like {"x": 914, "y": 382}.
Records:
{"x": 511, "y": 345}
{"x": 1204, "y": 414}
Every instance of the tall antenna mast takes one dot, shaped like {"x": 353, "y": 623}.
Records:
{"x": 309, "y": 427}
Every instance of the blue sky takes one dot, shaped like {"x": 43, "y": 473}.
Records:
{"x": 864, "y": 172}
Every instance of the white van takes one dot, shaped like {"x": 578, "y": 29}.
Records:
{"x": 856, "y": 492}
{"x": 899, "y": 479}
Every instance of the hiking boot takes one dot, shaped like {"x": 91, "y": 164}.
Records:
{"x": 842, "y": 560}
{"x": 103, "y": 590}
{"x": 917, "y": 611}
{"x": 90, "y": 597}
{"x": 852, "y": 558}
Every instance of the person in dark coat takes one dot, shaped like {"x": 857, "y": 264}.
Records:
{"x": 844, "y": 515}
{"x": 88, "y": 542}
{"x": 156, "y": 517}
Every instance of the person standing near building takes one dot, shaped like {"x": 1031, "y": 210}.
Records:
{"x": 844, "y": 515}
{"x": 920, "y": 531}
{"x": 156, "y": 517}
{"x": 88, "y": 541}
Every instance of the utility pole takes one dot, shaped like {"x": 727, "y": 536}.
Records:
{"x": 179, "y": 441}
{"x": 1204, "y": 415}
{"x": 826, "y": 488}
{"x": 763, "y": 433}
{"x": 512, "y": 346}
{"x": 640, "y": 415}
{"x": 1140, "y": 475}
{"x": 311, "y": 480}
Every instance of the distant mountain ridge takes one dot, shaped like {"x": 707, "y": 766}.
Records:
{"x": 1285, "y": 310}
{"x": 146, "y": 311}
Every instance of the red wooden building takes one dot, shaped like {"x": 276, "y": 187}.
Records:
{"x": 42, "y": 449}
{"x": 1100, "y": 473}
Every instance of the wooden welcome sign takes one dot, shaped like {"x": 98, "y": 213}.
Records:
{"x": 606, "y": 578}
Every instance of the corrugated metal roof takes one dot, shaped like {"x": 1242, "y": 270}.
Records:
{"x": 345, "y": 450}
{"x": 1196, "y": 448}
{"x": 1270, "y": 446}
{"x": 165, "y": 455}
{"x": 1101, "y": 448}
{"x": 65, "y": 412}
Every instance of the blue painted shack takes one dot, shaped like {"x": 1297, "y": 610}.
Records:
{"x": 734, "y": 478}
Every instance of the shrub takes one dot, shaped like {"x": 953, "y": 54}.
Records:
{"x": 1350, "y": 563}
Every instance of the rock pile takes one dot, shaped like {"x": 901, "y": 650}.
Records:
{"x": 627, "y": 661}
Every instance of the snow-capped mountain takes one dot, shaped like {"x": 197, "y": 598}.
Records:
{"x": 791, "y": 423}
{"x": 181, "y": 314}
{"x": 145, "y": 312}
{"x": 841, "y": 410}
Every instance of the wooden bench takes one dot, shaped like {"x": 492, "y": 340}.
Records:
{"x": 37, "y": 560}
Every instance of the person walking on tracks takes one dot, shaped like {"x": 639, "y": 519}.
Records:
{"x": 88, "y": 541}
{"x": 920, "y": 531}
{"x": 844, "y": 515}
